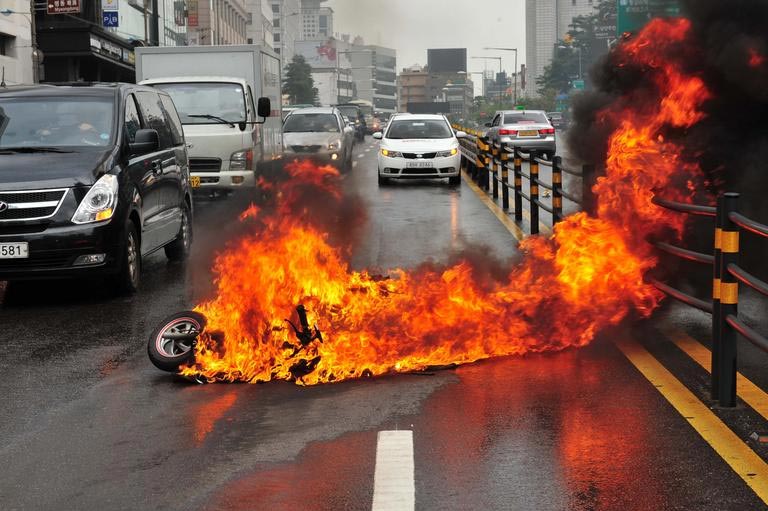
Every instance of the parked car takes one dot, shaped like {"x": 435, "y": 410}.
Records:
{"x": 319, "y": 134}
{"x": 419, "y": 146}
{"x": 92, "y": 179}
{"x": 526, "y": 129}
{"x": 557, "y": 120}
{"x": 355, "y": 115}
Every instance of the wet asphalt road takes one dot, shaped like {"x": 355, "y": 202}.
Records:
{"x": 86, "y": 422}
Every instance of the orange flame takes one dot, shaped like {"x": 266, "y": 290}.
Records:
{"x": 589, "y": 274}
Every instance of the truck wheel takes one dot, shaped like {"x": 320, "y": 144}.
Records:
{"x": 178, "y": 249}
{"x": 129, "y": 275}
{"x": 172, "y": 343}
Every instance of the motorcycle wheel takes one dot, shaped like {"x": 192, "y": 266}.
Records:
{"x": 166, "y": 350}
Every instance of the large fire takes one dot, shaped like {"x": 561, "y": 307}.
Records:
{"x": 588, "y": 275}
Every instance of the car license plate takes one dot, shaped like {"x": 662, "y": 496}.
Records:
{"x": 419, "y": 165}
{"x": 14, "y": 250}
{"x": 529, "y": 133}
{"x": 194, "y": 181}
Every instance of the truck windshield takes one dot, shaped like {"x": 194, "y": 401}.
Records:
{"x": 46, "y": 122}
{"x": 223, "y": 100}
{"x": 306, "y": 123}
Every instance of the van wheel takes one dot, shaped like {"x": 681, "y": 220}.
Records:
{"x": 128, "y": 278}
{"x": 178, "y": 249}
{"x": 454, "y": 180}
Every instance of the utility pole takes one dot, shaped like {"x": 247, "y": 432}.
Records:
{"x": 33, "y": 37}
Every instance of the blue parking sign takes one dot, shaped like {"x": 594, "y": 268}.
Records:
{"x": 110, "y": 19}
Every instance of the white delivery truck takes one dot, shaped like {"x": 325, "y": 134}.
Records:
{"x": 231, "y": 135}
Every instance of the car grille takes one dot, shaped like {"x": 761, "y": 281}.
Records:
{"x": 419, "y": 156}
{"x": 205, "y": 164}
{"x": 30, "y": 205}
{"x": 305, "y": 148}
{"x": 15, "y": 230}
{"x": 420, "y": 171}
{"x": 37, "y": 262}
{"x": 208, "y": 180}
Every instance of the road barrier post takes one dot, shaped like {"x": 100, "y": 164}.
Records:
{"x": 495, "y": 173}
{"x": 504, "y": 158}
{"x": 557, "y": 186}
{"x": 518, "y": 169}
{"x": 729, "y": 301}
{"x": 717, "y": 320}
{"x": 488, "y": 170}
{"x": 534, "y": 191}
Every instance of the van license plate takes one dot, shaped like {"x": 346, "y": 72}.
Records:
{"x": 14, "y": 250}
{"x": 419, "y": 164}
{"x": 194, "y": 181}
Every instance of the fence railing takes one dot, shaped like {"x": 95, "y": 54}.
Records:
{"x": 490, "y": 164}
{"x": 727, "y": 325}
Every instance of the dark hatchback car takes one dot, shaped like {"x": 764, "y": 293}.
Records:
{"x": 92, "y": 178}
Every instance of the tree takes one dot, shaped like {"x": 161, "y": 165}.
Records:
{"x": 580, "y": 43}
{"x": 298, "y": 83}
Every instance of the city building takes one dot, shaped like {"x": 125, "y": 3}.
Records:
{"x": 259, "y": 29}
{"x": 286, "y": 23}
{"x": 546, "y": 21}
{"x": 316, "y": 20}
{"x": 412, "y": 87}
{"x": 374, "y": 72}
{"x": 331, "y": 70}
{"x": 213, "y": 22}
{"x": 77, "y": 47}
{"x": 16, "y": 48}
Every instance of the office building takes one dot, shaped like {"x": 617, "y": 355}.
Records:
{"x": 412, "y": 87}
{"x": 259, "y": 29}
{"x": 16, "y": 44}
{"x": 316, "y": 20}
{"x": 286, "y": 23}
{"x": 214, "y": 22}
{"x": 547, "y": 21}
{"x": 374, "y": 72}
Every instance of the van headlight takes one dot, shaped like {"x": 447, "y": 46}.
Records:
{"x": 241, "y": 160}
{"x": 99, "y": 203}
{"x": 334, "y": 146}
{"x": 446, "y": 154}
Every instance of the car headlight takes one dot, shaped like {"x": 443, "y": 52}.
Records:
{"x": 391, "y": 154}
{"x": 334, "y": 146}
{"x": 450, "y": 152}
{"x": 241, "y": 160}
{"x": 99, "y": 203}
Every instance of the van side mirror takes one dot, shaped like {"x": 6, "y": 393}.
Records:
{"x": 145, "y": 141}
{"x": 264, "y": 108}
{"x": 461, "y": 134}
{"x": 378, "y": 135}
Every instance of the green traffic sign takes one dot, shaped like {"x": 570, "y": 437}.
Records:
{"x": 634, "y": 14}
{"x": 578, "y": 84}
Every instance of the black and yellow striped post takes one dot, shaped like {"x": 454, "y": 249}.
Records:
{"x": 504, "y": 159}
{"x": 496, "y": 168}
{"x": 534, "y": 189}
{"x": 716, "y": 313}
{"x": 557, "y": 187}
{"x": 487, "y": 159}
{"x": 729, "y": 301}
{"x": 518, "y": 169}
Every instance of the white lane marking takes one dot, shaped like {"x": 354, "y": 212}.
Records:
{"x": 394, "y": 488}
{"x": 354, "y": 164}
{"x": 360, "y": 155}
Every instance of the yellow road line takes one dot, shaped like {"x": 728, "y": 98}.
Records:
{"x": 743, "y": 460}
{"x": 499, "y": 213}
{"x": 753, "y": 395}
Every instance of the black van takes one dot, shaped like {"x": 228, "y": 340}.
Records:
{"x": 92, "y": 178}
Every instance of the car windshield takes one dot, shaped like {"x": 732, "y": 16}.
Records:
{"x": 525, "y": 118}
{"x": 351, "y": 112}
{"x": 419, "y": 128}
{"x": 200, "y": 103}
{"x": 56, "y": 122}
{"x": 307, "y": 123}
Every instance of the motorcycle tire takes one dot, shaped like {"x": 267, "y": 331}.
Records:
{"x": 168, "y": 354}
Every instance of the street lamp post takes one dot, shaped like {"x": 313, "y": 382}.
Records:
{"x": 283, "y": 17}
{"x": 500, "y": 71}
{"x": 514, "y": 90}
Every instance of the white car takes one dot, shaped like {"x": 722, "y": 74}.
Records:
{"x": 418, "y": 147}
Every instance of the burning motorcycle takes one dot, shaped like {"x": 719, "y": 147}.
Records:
{"x": 172, "y": 344}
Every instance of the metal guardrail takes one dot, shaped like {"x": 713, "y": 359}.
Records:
{"x": 489, "y": 164}
{"x": 727, "y": 274}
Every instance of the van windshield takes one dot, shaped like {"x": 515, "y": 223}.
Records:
{"x": 201, "y": 103}
{"x": 56, "y": 122}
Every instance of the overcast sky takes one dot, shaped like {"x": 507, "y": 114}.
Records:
{"x": 412, "y": 26}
